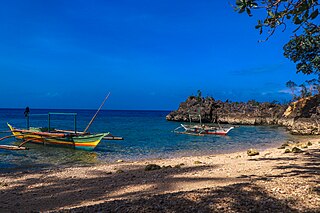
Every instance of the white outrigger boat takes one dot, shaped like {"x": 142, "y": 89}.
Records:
{"x": 201, "y": 130}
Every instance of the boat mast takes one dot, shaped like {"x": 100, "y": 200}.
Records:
{"x": 199, "y": 110}
{"x": 95, "y": 115}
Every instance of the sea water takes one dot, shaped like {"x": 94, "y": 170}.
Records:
{"x": 146, "y": 134}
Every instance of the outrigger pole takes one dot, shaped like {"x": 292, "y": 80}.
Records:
{"x": 96, "y": 114}
{"x": 11, "y": 147}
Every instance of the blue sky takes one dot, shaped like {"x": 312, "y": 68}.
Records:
{"x": 148, "y": 54}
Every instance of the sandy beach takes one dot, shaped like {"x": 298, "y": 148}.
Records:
{"x": 273, "y": 181}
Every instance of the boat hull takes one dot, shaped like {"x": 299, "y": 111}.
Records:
{"x": 83, "y": 142}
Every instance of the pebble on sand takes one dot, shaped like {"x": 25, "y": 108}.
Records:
{"x": 296, "y": 150}
{"x": 151, "y": 167}
{"x": 252, "y": 152}
{"x": 197, "y": 162}
{"x": 287, "y": 151}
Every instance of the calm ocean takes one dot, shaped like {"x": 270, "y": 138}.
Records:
{"x": 146, "y": 134}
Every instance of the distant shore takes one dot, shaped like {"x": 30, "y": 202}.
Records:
{"x": 272, "y": 181}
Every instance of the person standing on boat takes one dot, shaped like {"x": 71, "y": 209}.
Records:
{"x": 26, "y": 111}
{"x": 26, "y": 115}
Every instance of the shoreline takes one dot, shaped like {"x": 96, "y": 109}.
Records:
{"x": 291, "y": 181}
{"x": 192, "y": 153}
{"x": 196, "y": 148}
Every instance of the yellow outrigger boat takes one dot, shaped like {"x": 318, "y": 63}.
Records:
{"x": 73, "y": 139}
{"x": 84, "y": 141}
{"x": 66, "y": 138}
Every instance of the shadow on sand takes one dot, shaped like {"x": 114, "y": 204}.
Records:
{"x": 108, "y": 191}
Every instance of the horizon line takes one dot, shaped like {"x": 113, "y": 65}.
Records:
{"x": 1, "y": 108}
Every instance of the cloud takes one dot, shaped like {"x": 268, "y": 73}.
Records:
{"x": 52, "y": 94}
{"x": 286, "y": 91}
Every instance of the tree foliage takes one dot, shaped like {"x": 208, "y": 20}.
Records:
{"x": 304, "y": 50}
{"x": 313, "y": 88}
{"x": 313, "y": 85}
{"x": 279, "y": 12}
{"x": 199, "y": 96}
{"x": 292, "y": 86}
{"x": 303, "y": 91}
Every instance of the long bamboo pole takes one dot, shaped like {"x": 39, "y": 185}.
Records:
{"x": 5, "y": 131}
{"x": 5, "y": 137}
{"x": 10, "y": 147}
{"x": 24, "y": 142}
{"x": 85, "y": 130}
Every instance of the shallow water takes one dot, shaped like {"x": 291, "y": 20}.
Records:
{"x": 146, "y": 135}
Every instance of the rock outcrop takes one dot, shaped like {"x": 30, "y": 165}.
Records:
{"x": 305, "y": 116}
{"x": 300, "y": 117}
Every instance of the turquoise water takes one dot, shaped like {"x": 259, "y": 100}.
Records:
{"x": 146, "y": 135}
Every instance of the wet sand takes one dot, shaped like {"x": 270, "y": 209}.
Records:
{"x": 272, "y": 181}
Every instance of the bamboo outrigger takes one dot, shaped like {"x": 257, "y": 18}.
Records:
{"x": 12, "y": 147}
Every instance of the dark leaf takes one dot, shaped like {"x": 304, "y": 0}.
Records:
{"x": 239, "y": 2}
{"x": 242, "y": 9}
{"x": 297, "y": 20}
{"x": 314, "y": 14}
{"x": 270, "y": 13}
{"x": 248, "y": 11}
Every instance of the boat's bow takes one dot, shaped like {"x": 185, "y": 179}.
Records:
{"x": 228, "y": 130}
{"x": 15, "y": 132}
{"x": 88, "y": 142}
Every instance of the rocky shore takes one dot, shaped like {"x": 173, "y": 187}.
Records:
{"x": 280, "y": 179}
{"x": 300, "y": 117}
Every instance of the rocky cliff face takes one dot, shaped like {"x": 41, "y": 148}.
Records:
{"x": 300, "y": 117}
{"x": 305, "y": 114}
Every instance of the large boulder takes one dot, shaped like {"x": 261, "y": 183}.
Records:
{"x": 304, "y": 108}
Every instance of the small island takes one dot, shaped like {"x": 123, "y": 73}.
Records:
{"x": 299, "y": 117}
